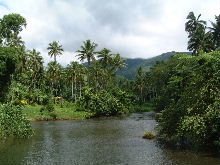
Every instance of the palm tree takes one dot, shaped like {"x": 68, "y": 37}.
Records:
{"x": 105, "y": 57}
{"x": 215, "y": 29}
{"x": 196, "y": 30}
{"x": 87, "y": 51}
{"x": 54, "y": 74}
{"x": 72, "y": 74}
{"x": 118, "y": 62}
{"x": 55, "y": 49}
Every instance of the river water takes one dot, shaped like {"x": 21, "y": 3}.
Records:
{"x": 110, "y": 141}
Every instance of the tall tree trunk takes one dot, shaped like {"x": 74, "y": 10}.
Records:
{"x": 75, "y": 86}
{"x": 55, "y": 59}
{"x": 80, "y": 87}
{"x": 88, "y": 76}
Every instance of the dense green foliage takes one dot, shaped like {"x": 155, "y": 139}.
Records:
{"x": 191, "y": 113}
{"x": 13, "y": 123}
{"x": 184, "y": 87}
{"x": 105, "y": 103}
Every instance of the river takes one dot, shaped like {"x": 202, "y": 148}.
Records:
{"x": 109, "y": 141}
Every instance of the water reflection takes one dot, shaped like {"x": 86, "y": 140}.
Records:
{"x": 96, "y": 142}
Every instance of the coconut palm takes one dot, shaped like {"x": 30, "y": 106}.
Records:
{"x": 87, "y": 51}
{"x": 55, "y": 49}
{"x": 201, "y": 41}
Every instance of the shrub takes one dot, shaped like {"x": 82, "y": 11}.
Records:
{"x": 13, "y": 123}
{"x": 104, "y": 103}
{"x": 149, "y": 135}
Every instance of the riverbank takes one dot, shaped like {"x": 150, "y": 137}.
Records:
{"x": 33, "y": 113}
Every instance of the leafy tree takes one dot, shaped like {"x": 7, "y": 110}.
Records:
{"x": 191, "y": 114}
{"x": 8, "y": 60}
{"x": 55, "y": 49}
{"x": 10, "y": 27}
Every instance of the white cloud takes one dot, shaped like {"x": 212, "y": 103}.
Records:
{"x": 133, "y": 28}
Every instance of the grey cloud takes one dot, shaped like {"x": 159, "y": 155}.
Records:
{"x": 121, "y": 15}
{"x": 133, "y": 28}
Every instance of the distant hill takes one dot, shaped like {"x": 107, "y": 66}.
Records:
{"x": 132, "y": 64}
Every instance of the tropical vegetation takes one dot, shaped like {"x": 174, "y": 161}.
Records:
{"x": 183, "y": 87}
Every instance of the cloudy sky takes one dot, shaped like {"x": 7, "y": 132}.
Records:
{"x": 133, "y": 28}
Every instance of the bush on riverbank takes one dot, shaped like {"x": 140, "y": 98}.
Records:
{"x": 13, "y": 123}
{"x": 149, "y": 135}
{"x": 105, "y": 103}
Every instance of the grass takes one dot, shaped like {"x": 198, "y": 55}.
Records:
{"x": 146, "y": 107}
{"x": 66, "y": 113}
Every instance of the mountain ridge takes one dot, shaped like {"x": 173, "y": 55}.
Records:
{"x": 129, "y": 72}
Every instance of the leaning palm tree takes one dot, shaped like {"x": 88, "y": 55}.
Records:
{"x": 196, "y": 30}
{"x": 193, "y": 23}
{"x": 87, "y": 51}
{"x": 54, "y": 49}
{"x": 215, "y": 29}
{"x": 201, "y": 41}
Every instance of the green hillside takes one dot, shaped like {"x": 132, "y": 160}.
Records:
{"x": 133, "y": 63}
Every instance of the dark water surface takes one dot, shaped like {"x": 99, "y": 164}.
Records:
{"x": 115, "y": 141}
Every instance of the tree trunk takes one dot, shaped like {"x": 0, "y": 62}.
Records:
{"x": 72, "y": 87}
